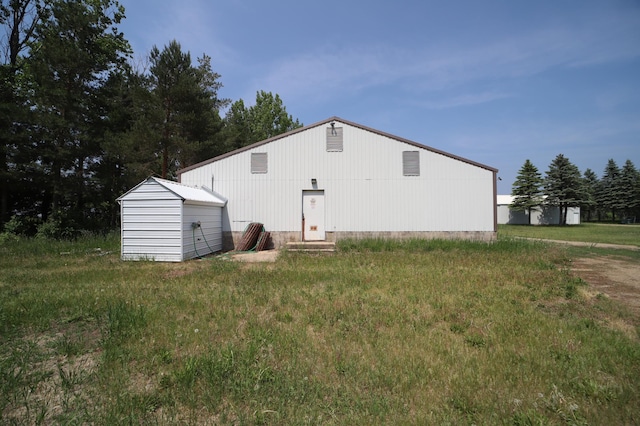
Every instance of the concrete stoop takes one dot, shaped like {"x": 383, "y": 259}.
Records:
{"x": 311, "y": 246}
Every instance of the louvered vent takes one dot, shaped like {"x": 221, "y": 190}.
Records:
{"x": 411, "y": 163}
{"x": 334, "y": 139}
{"x": 259, "y": 162}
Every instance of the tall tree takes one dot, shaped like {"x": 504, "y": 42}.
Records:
{"x": 629, "y": 179}
{"x": 527, "y": 189}
{"x": 563, "y": 186}
{"x": 590, "y": 183}
{"x": 124, "y": 157}
{"x": 269, "y": 117}
{"x": 264, "y": 120}
{"x": 236, "y": 132}
{"x": 18, "y": 20}
{"x": 184, "y": 114}
{"x": 609, "y": 193}
{"x": 75, "y": 49}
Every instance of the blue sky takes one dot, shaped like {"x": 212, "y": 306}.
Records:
{"x": 494, "y": 81}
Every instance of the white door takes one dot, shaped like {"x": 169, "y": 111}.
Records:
{"x": 313, "y": 215}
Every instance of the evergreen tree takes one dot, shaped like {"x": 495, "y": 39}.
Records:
{"x": 590, "y": 183}
{"x": 527, "y": 189}
{"x": 182, "y": 116}
{"x": 124, "y": 158}
{"x": 563, "y": 186}
{"x": 18, "y": 20}
{"x": 73, "y": 52}
{"x": 609, "y": 193}
{"x": 629, "y": 178}
{"x": 237, "y": 133}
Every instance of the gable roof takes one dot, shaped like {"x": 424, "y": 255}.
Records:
{"x": 327, "y": 121}
{"x": 186, "y": 193}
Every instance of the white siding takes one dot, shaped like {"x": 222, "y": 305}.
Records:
{"x": 365, "y": 190}
{"x": 151, "y": 232}
{"x": 156, "y": 223}
{"x": 208, "y": 235}
{"x": 545, "y": 215}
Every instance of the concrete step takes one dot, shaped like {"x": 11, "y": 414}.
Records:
{"x": 311, "y": 246}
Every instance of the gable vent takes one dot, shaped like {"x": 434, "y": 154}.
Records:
{"x": 334, "y": 139}
{"x": 411, "y": 163}
{"x": 259, "y": 162}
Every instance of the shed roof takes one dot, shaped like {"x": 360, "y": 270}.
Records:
{"x": 324, "y": 122}
{"x": 187, "y": 193}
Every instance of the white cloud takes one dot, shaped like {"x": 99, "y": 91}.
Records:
{"x": 463, "y": 100}
{"x": 322, "y": 73}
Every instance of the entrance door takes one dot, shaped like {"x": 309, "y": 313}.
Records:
{"x": 313, "y": 214}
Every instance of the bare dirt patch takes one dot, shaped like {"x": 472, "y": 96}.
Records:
{"x": 617, "y": 278}
{"x": 53, "y": 370}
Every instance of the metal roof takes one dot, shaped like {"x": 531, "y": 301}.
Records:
{"x": 187, "y": 193}
{"x": 329, "y": 120}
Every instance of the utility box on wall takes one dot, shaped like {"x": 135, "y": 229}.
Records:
{"x": 165, "y": 221}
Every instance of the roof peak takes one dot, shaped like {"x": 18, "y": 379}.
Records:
{"x": 325, "y": 121}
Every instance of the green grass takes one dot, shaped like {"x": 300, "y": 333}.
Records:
{"x": 586, "y": 232}
{"x": 380, "y": 333}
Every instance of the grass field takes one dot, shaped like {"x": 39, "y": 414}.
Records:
{"x": 586, "y": 232}
{"x": 378, "y": 333}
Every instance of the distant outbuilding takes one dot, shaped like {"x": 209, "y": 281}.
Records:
{"x": 166, "y": 221}
{"x": 541, "y": 215}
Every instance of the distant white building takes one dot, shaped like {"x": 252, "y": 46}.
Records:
{"x": 542, "y": 215}
{"x": 337, "y": 179}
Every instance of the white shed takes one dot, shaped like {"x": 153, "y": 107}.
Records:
{"x": 541, "y": 215}
{"x": 337, "y": 179}
{"x": 166, "y": 221}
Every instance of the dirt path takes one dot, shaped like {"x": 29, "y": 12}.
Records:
{"x": 584, "y": 244}
{"x": 617, "y": 278}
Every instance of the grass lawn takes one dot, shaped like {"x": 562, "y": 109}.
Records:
{"x": 378, "y": 333}
{"x": 587, "y": 232}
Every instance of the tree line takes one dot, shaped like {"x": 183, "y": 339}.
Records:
{"x": 613, "y": 197}
{"x": 80, "y": 123}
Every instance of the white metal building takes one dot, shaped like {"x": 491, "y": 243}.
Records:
{"x": 542, "y": 215}
{"x": 336, "y": 179}
{"x": 166, "y": 221}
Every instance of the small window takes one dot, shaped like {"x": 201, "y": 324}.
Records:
{"x": 334, "y": 139}
{"x": 259, "y": 162}
{"x": 411, "y": 163}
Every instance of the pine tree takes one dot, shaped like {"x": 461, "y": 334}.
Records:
{"x": 236, "y": 131}
{"x": 182, "y": 115}
{"x": 18, "y": 21}
{"x": 527, "y": 189}
{"x": 629, "y": 178}
{"x": 609, "y": 193}
{"x": 73, "y": 52}
{"x": 590, "y": 183}
{"x": 563, "y": 186}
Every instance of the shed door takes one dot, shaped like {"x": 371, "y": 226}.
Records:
{"x": 313, "y": 214}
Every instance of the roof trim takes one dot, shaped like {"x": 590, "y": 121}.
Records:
{"x": 323, "y": 122}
